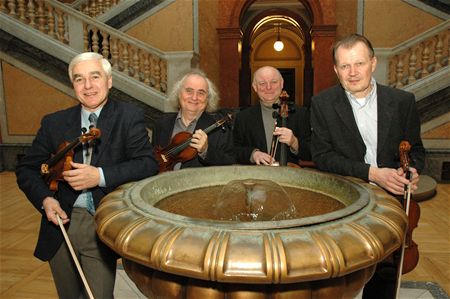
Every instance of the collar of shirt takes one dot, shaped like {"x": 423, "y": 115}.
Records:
{"x": 85, "y": 116}
{"x": 361, "y": 103}
{"x": 179, "y": 125}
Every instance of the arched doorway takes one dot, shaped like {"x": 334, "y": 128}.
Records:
{"x": 262, "y": 26}
{"x": 316, "y": 24}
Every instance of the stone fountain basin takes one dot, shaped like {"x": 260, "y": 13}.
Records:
{"x": 366, "y": 231}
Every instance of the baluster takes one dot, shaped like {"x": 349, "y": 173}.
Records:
{"x": 146, "y": 69}
{"x": 425, "y": 59}
{"x": 156, "y": 74}
{"x": 438, "y": 53}
{"x": 125, "y": 60}
{"x": 107, "y": 4}
{"x": 60, "y": 25}
{"x": 95, "y": 46}
{"x": 163, "y": 76}
{"x": 21, "y": 10}
{"x": 12, "y": 8}
{"x": 51, "y": 22}
{"x": 399, "y": 72}
{"x": 105, "y": 45}
{"x": 100, "y": 7}
{"x": 86, "y": 47}
{"x": 2, "y": 6}
{"x": 135, "y": 62}
{"x": 92, "y": 10}
{"x": 412, "y": 66}
{"x": 114, "y": 54}
{"x": 41, "y": 16}
{"x": 31, "y": 14}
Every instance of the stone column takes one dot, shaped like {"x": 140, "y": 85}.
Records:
{"x": 230, "y": 61}
{"x": 323, "y": 37}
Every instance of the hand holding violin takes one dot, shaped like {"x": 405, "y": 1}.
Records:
{"x": 393, "y": 180}
{"x": 199, "y": 141}
{"x": 286, "y": 136}
{"x": 82, "y": 176}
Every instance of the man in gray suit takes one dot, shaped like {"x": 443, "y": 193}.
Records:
{"x": 357, "y": 127}
{"x": 121, "y": 154}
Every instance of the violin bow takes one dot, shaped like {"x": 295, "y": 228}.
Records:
{"x": 273, "y": 148}
{"x": 404, "y": 159}
{"x": 66, "y": 237}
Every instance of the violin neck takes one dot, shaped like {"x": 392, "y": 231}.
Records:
{"x": 61, "y": 154}
{"x": 214, "y": 125}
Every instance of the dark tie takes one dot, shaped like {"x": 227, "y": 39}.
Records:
{"x": 90, "y": 201}
{"x": 93, "y": 120}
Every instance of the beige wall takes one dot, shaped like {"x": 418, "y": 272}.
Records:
{"x": 388, "y": 23}
{"x": 209, "y": 41}
{"x": 346, "y": 14}
{"x": 27, "y": 100}
{"x": 170, "y": 29}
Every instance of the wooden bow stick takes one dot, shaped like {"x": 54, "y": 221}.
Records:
{"x": 66, "y": 237}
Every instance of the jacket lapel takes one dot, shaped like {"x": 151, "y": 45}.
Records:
{"x": 345, "y": 112}
{"x": 105, "y": 123}
{"x": 385, "y": 116}
{"x": 73, "y": 131}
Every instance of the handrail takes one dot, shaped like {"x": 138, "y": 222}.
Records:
{"x": 137, "y": 65}
{"x": 415, "y": 58}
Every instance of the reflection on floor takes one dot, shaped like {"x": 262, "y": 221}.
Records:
{"x": 126, "y": 289}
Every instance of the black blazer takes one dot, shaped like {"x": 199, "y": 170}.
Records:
{"x": 249, "y": 134}
{"x": 220, "y": 144}
{"x": 337, "y": 145}
{"x": 123, "y": 151}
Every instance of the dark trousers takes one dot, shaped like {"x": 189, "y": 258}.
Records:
{"x": 97, "y": 261}
{"x": 383, "y": 284}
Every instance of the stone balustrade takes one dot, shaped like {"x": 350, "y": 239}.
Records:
{"x": 416, "y": 59}
{"x": 66, "y": 25}
{"x": 94, "y": 8}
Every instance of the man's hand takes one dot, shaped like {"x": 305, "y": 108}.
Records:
{"x": 82, "y": 176}
{"x": 286, "y": 136}
{"x": 51, "y": 207}
{"x": 393, "y": 180}
{"x": 199, "y": 141}
{"x": 261, "y": 158}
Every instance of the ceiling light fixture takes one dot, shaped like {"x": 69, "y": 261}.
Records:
{"x": 278, "y": 44}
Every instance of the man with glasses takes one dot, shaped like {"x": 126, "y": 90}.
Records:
{"x": 256, "y": 126}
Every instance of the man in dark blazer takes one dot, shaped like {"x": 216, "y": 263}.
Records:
{"x": 121, "y": 154}
{"x": 196, "y": 98}
{"x": 357, "y": 129}
{"x": 254, "y": 127}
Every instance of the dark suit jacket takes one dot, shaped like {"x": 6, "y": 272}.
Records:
{"x": 249, "y": 134}
{"x": 123, "y": 151}
{"x": 220, "y": 144}
{"x": 337, "y": 145}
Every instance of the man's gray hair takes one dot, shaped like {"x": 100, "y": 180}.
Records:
{"x": 89, "y": 56}
{"x": 212, "y": 98}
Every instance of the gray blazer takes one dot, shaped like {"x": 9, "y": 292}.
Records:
{"x": 337, "y": 145}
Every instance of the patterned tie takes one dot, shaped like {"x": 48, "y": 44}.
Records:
{"x": 90, "y": 201}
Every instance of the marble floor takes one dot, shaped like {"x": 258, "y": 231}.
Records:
{"x": 126, "y": 289}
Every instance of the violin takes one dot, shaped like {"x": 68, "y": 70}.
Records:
{"x": 284, "y": 107}
{"x": 54, "y": 167}
{"x": 412, "y": 209}
{"x": 179, "y": 150}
